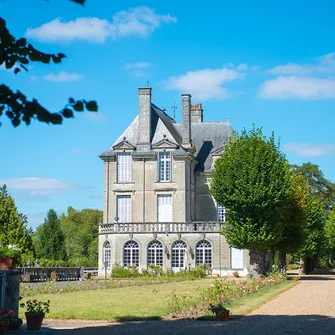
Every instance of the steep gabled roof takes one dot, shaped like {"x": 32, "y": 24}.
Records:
{"x": 208, "y": 137}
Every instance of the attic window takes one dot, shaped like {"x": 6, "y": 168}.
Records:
{"x": 164, "y": 166}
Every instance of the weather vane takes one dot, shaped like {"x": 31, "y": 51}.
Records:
{"x": 174, "y": 107}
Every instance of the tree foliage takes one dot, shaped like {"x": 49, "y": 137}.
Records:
{"x": 252, "y": 179}
{"x": 313, "y": 229}
{"x": 17, "y": 54}
{"x": 49, "y": 239}
{"x": 294, "y": 215}
{"x": 80, "y": 229}
{"x": 318, "y": 185}
{"x": 330, "y": 236}
{"x": 13, "y": 226}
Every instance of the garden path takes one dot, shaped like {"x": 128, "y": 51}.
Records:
{"x": 307, "y": 308}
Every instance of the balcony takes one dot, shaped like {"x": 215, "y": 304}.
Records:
{"x": 161, "y": 227}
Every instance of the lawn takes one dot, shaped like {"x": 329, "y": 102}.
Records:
{"x": 144, "y": 302}
{"x": 119, "y": 303}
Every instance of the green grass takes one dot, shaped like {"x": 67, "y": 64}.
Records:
{"x": 127, "y": 303}
{"x": 245, "y": 306}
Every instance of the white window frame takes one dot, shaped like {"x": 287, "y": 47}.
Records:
{"x": 162, "y": 196}
{"x": 178, "y": 250}
{"x": 155, "y": 253}
{"x": 127, "y": 218}
{"x": 164, "y": 170}
{"x": 107, "y": 254}
{"x": 131, "y": 254}
{"x": 204, "y": 253}
{"x": 221, "y": 212}
{"x": 124, "y": 167}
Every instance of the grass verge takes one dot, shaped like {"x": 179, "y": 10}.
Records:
{"x": 242, "y": 307}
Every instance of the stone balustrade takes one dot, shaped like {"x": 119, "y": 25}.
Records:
{"x": 161, "y": 227}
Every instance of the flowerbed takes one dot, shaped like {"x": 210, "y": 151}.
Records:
{"x": 221, "y": 292}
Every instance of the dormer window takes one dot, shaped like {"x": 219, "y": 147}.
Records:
{"x": 164, "y": 166}
{"x": 124, "y": 167}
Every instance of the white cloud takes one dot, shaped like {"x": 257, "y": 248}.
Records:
{"x": 93, "y": 116}
{"x": 310, "y": 150}
{"x": 62, "y": 77}
{"x": 138, "y": 21}
{"x": 77, "y": 151}
{"x": 37, "y": 186}
{"x": 136, "y": 66}
{"x": 294, "y": 87}
{"x": 137, "y": 69}
{"x": 322, "y": 65}
{"x": 204, "y": 84}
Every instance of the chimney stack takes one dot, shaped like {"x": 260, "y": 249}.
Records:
{"x": 144, "y": 121}
{"x": 197, "y": 113}
{"x": 186, "y": 129}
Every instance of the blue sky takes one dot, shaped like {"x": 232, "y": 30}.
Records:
{"x": 256, "y": 62}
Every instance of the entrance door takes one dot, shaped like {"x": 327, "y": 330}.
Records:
{"x": 236, "y": 258}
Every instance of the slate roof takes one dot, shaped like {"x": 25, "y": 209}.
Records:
{"x": 206, "y": 136}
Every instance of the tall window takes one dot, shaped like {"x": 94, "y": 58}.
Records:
{"x": 204, "y": 253}
{"x": 155, "y": 253}
{"x": 178, "y": 254}
{"x": 221, "y": 213}
{"x": 131, "y": 254}
{"x": 107, "y": 253}
{"x": 164, "y": 207}
{"x": 124, "y": 167}
{"x": 164, "y": 166}
{"x": 123, "y": 209}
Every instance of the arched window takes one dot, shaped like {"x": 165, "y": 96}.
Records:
{"x": 155, "y": 253}
{"x": 204, "y": 253}
{"x": 178, "y": 254}
{"x": 107, "y": 254}
{"x": 131, "y": 254}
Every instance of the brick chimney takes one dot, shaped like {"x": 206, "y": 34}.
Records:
{"x": 144, "y": 121}
{"x": 197, "y": 113}
{"x": 186, "y": 128}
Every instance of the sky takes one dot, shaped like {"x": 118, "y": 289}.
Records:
{"x": 266, "y": 63}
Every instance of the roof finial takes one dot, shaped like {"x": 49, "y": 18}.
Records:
{"x": 148, "y": 84}
{"x": 174, "y": 107}
{"x": 228, "y": 119}
{"x": 124, "y": 138}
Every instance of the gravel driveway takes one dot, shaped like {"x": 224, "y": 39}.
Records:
{"x": 307, "y": 308}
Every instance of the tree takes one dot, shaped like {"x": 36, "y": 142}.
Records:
{"x": 293, "y": 219}
{"x": 13, "y": 226}
{"x": 330, "y": 236}
{"x": 17, "y": 54}
{"x": 80, "y": 229}
{"x": 49, "y": 239}
{"x": 314, "y": 232}
{"x": 252, "y": 179}
{"x": 319, "y": 186}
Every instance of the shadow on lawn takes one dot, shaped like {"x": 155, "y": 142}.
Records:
{"x": 249, "y": 325}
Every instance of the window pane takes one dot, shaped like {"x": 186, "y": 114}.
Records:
{"x": 107, "y": 255}
{"x": 178, "y": 254}
{"x": 164, "y": 166}
{"x": 124, "y": 208}
{"x": 204, "y": 253}
{"x": 155, "y": 253}
{"x": 131, "y": 254}
{"x": 124, "y": 167}
{"x": 221, "y": 213}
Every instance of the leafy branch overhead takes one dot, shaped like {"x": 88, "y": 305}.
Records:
{"x": 17, "y": 54}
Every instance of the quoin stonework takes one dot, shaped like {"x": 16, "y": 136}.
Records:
{"x": 157, "y": 205}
